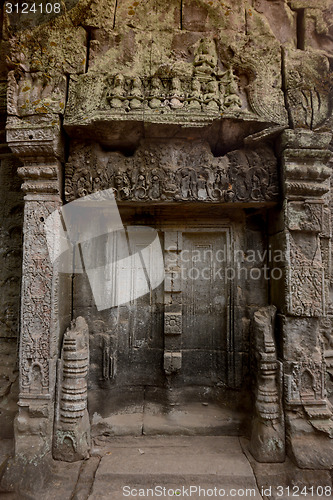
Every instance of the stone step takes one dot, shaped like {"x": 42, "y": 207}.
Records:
{"x": 191, "y": 419}
{"x": 141, "y": 463}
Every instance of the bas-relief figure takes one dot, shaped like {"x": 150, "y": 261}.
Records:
{"x": 275, "y": 97}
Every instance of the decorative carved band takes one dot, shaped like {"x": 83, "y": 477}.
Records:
{"x": 187, "y": 173}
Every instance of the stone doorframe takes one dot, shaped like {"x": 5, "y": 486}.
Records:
{"x": 302, "y": 231}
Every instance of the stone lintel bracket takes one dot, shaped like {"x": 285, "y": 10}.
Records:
{"x": 37, "y": 142}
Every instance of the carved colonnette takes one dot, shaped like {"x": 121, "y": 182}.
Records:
{"x": 38, "y": 145}
{"x": 306, "y": 236}
{"x": 72, "y": 426}
{"x": 268, "y": 433}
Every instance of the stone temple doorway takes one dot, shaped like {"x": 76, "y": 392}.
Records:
{"x": 177, "y": 359}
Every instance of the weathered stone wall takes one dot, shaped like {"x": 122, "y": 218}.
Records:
{"x": 119, "y": 72}
{"x": 11, "y": 212}
{"x": 11, "y": 222}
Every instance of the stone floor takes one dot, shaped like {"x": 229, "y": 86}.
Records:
{"x": 121, "y": 467}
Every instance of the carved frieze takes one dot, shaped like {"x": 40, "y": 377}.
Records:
{"x": 194, "y": 174}
{"x": 154, "y": 98}
{"x": 165, "y": 94}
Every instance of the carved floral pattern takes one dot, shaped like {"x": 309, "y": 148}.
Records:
{"x": 36, "y": 290}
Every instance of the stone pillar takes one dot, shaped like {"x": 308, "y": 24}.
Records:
{"x": 305, "y": 238}
{"x": 37, "y": 142}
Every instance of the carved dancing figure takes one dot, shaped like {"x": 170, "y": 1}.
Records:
{"x": 118, "y": 184}
{"x": 170, "y": 184}
{"x": 187, "y": 181}
{"x": 141, "y": 184}
{"x": 125, "y": 189}
{"x": 155, "y": 191}
{"x": 202, "y": 185}
{"x": 222, "y": 95}
{"x": 221, "y": 184}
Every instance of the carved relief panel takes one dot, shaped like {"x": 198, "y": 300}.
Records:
{"x": 174, "y": 171}
{"x": 36, "y": 288}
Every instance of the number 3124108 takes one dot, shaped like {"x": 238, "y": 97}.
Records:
{"x": 36, "y": 8}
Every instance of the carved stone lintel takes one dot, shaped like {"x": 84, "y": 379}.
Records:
{"x": 193, "y": 175}
{"x": 72, "y": 427}
{"x": 267, "y": 441}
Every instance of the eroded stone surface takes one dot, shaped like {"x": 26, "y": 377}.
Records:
{"x": 157, "y": 101}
